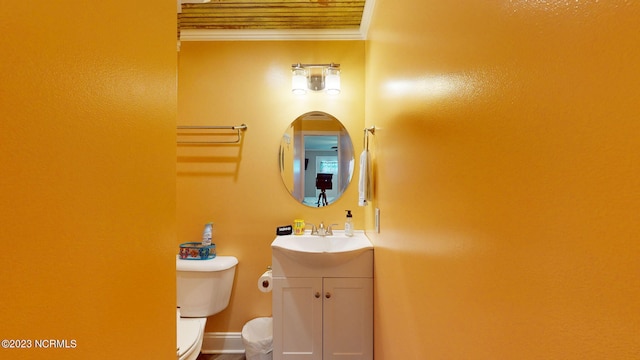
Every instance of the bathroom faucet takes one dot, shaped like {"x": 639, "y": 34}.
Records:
{"x": 321, "y": 230}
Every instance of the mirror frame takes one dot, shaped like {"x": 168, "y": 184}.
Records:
{"x": 294, "y": 162}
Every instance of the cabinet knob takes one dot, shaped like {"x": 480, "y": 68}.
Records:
{"x": 327, "y": 295}
{"x": 317, "y": 295}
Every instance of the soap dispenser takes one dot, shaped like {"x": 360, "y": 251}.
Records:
{"x": 207, "y": 234}
{"x": 348, "y": 225}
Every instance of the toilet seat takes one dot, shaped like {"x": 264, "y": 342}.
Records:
{"x": 190, "y": 334}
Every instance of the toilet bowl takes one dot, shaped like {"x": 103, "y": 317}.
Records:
{"x": 203, "y": 289}
{"x": 190, "y": 335}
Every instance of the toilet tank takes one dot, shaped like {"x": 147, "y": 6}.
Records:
{"x": 204, "y": 286}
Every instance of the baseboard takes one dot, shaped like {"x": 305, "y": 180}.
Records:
{"x": 222, "y": 343}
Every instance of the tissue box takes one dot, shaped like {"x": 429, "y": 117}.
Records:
{"x": 197, "y": 251}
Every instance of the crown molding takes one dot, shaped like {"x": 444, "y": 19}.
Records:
{"x": 268, "y": 35}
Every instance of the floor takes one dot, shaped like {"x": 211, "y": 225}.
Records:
{"x": 221, "y": 357}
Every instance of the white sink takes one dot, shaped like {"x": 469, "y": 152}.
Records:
{"x": 321, "y": 251}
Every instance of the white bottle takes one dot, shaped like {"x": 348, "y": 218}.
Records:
{"x": 207, "y": 234}
{"x": 348, "y": 225}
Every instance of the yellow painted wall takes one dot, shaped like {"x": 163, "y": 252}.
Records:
{"x": 87, "y": 152}
{"x": 507, "y": 173}
{"x": 239, "y": 188}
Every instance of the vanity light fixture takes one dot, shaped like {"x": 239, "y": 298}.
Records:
{"x": 315, "y": 77}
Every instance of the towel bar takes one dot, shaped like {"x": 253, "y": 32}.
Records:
{"x": 237, "y": 128}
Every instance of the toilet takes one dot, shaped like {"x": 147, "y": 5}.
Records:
{"x": 204, "y": 289}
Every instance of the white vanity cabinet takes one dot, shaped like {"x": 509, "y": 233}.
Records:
{"x": 323, "y": 318}
{"x": 322, "y": 300}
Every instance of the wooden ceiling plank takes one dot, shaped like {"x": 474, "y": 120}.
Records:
{"x": 274, "y": 10}
{"x": 267, "y": 27}
{"x": 259, "y": 5}
{"x": 272, "y": 14}
{"x": 272, "y": 2}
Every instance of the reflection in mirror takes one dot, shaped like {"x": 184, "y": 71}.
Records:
{"x": 316, "y": 159}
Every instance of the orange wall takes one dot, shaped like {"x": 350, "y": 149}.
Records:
{"x": 239, "y": 188}
{"x": 506, "y": 162}
{"x": 87, "y": 147}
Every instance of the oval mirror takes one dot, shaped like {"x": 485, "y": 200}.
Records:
{"x": 316, "y": 159}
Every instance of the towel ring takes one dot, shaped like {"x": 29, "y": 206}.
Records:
{"x": 368, "y": 130}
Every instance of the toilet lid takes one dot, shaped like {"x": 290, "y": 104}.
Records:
{"x": 189, "y": 332}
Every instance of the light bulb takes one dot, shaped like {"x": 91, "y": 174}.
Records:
{"x": 298, "y": 81}
{"x": 332, "y": 81}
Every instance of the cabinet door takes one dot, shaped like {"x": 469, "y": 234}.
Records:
{"x": 348, "y": 318}
{"x": 297, "y": 319}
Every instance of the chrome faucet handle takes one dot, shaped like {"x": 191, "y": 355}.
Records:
{"x": 330, "y": 229}
{"x": 320, "y": 231}
{"x": 313, "y": 229}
